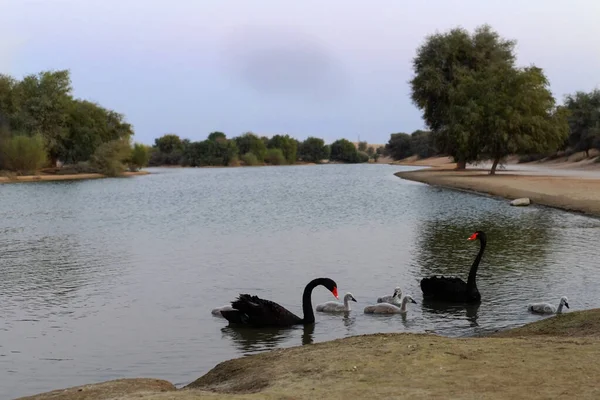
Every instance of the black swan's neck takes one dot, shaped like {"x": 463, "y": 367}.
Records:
{"x": 307, "y": 309}
{"x": 471, "y": 283}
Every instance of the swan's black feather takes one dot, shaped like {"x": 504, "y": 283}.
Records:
{"x": 453, "y": 289}
{"x": 443, "y": 288}
{"x": 252, "y": 310}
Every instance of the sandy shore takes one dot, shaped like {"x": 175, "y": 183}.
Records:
{"x": 48, "y": 177}
{"x": 564, "y": 192}
{"x": 552, "y": 358}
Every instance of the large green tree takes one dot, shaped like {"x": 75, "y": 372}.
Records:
{"x": 438, "y": 67}
{"x": 88, "y": 126}
{"x": 510, "y": 111}
{"x": 43, "y": 107}
{"x": 584, "y": 120}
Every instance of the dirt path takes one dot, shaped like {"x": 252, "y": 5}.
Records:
{"x": 569, "y": 193}
{"x": 553, "y": 358}
{"x": 48, "y": 177}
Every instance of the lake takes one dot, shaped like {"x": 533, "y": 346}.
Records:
{"x": 114, "y": 278}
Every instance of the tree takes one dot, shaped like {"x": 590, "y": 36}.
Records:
{"x": 344, "y": 151}
{"x": 313, "y": 150}
{"x": 250, "y": 143}
{"x": 421, "y": 143}
{"x": 287, "y": 144}
{"x": 140, "y": 154}
{"x": 170, "y": 150}
{"x": 209, "y": 152}
{"x": 217, "y": 136}
{"x": 371, "y": 151}
{"x": 512, "y": 110}
{"x": 43, "y": 103}
{"x": 89, "y": 125}
{"x": 438, "y": 66}
{"x": 399, "y": 146}
{"x": 584, "y": 120}
{"x": 168, "y": 143}
{"x": 362, "y": 146}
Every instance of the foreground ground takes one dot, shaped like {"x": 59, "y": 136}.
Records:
{"x": 553, "y": 358}
{"x": 565, "y": 192}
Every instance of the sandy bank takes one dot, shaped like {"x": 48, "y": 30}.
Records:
{"x": 568, "y": 193}
{"x": 552, "y": 358}
{"x": 48, "y": 177}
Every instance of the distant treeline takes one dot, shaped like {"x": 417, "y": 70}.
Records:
{"x": 42, "y": 123}
{"x": 251, "y": 149}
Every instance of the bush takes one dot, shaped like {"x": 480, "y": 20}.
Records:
{"x": 140, "y": 155}
{"x": 344, "y": 151}
{"x": 234, "y": 162}
{"x": 109, "y": 157}
{"x": 23, "y": 154}
{"x": 249, "y": 159}
{"x": 363, "y": 157}
{"x": 275, "y": 157}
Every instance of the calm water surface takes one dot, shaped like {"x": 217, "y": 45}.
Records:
{"x": 116, "y": 278}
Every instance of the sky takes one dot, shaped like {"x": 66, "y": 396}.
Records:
{"x": 330, "y": 68}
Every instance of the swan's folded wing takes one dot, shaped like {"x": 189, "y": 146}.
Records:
{"x": 262, "y": 311}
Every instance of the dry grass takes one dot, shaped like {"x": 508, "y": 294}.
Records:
{"x": 553, "y": 358}
{"x": 117, "y": 389}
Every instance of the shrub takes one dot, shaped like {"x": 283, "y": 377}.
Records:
{"x": 109, "y": 157}
{"x": 140, "y": 155}
{"x": 249, "y": 159}
{"x": 275, "y": 157}
{"x": 344, "y": 151}
{"x": 23, "y": 154}
{"x": 234, "y": 162}
{"x": 363, "y": 157}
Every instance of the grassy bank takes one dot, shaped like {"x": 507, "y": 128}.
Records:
{"x": 552, "y": 358}
{"x": 567, "y": 193}
{"x": 53, "y": 177}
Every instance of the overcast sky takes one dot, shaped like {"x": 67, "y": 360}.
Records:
{"x": 330, "y": 68}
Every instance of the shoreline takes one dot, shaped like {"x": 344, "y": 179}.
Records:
{"x": 568, "y": 193}
{"x": 544, "y": 359}
{"x": 66, "y": 177}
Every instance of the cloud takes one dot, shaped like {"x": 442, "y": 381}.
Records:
{"x": 282, "y": 62}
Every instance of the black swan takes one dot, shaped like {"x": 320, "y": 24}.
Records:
{"x": 252, "y": 311}
{"x": 455, "y": 289}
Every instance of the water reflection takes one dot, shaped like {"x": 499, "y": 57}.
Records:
{"x": 514, "y": 243}
{"x": 470, "y": 312}
{"x": 249, "y": 340}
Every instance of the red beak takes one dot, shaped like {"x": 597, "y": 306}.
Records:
{"x": 473, "y": 237}
{"x": 334, "y": 291}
